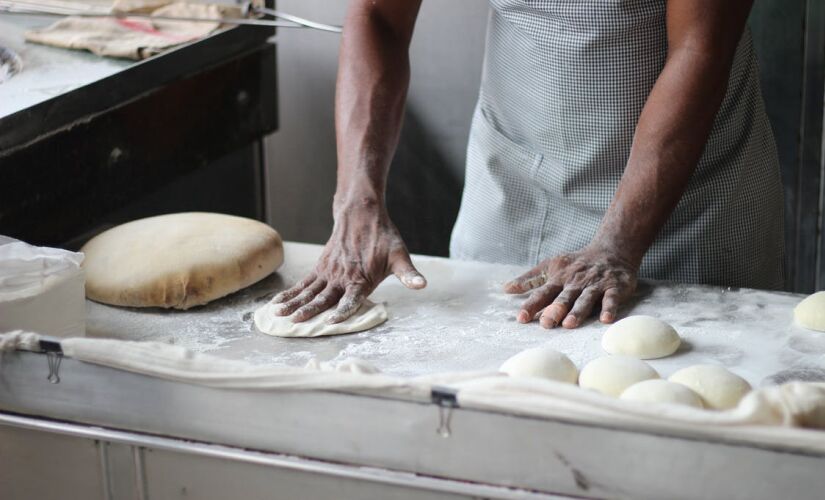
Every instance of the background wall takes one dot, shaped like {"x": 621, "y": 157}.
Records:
{"x": 427, "y": 173}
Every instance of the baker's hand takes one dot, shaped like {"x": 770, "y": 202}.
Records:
{"x": 567, "y": 288}
{"x": 365, "y": 247}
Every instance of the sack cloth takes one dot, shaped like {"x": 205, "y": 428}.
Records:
{"x": 134, "y": 38}
{"x": 781, "y": 415}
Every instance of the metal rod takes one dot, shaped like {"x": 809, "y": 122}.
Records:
{"x": 298, "y": 20}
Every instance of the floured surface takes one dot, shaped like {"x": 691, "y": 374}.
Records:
{"x": 367, "y": 316}
{"x": 462, "y": 321}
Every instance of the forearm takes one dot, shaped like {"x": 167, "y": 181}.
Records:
{"x": 668, "y": 143}
{"x": 371, "y": 90}
{"x": 673, "y": 127}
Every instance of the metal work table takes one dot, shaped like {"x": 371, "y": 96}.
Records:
{"x": 125, "y": 435}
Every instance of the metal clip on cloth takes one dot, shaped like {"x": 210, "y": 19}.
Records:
{"x": 446, "y": 398}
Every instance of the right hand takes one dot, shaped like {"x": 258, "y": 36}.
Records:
{"x": 365, "y": 247}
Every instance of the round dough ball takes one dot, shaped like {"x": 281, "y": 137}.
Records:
{"x": 810, "y": 313}
{"x": 542, "y": 362}
{"x": 643, "y": 337}
{"x": 611, "y": 375}
{"x": 179, "y": 260}
{"x": 661, "y": 391}
{"x": 719, "y": 388}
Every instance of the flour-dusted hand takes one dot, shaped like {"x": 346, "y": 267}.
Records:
{"x": 370, "y": 93}
{"x": 566, "y": 289}
{"x": 365, "y": 247}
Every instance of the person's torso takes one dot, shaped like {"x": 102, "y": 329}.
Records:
{"x": 563, "y": 85}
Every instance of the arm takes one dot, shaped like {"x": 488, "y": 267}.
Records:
{"x": 670, "y": 137}
{"x": 365, "y": 247}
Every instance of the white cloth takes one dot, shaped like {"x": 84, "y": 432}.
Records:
{"x": 134, "y": 38}
{"x": 41, "y": 289}
{"x": 772, "y": 415}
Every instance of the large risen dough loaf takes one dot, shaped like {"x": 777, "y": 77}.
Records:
{"x": 179, "y": 260}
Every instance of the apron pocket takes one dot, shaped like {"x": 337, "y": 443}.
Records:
{"x": 502, "y": 209}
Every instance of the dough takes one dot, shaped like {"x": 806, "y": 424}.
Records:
{"x": 179, "y": 260}
{"x": 369, "y": 315}
{"x": 719, "y": 388}
{"x": 661, "y": 391}
{"x": 542, "y": 362}
{"x": 611, "y": 375}
{"x": 810, "y": 313}
{"x": 643, "y": 337}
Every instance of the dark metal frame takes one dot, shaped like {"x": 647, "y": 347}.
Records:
{"x": 790, "y": 42}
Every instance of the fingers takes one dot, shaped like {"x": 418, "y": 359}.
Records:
{"x": 295, "y": 290}
{"x": 349, "y": 303}
{"x": 610, "y": 305}
{"x": 537, "y": 301}
{"x": 323, "y": 301}
{"x": 583, "y": 307}
{"x": 533, "y": 278}
{"x": 403, "y": 269}
{"x": 304, "y": 297}
{"x": 555, "y": 312}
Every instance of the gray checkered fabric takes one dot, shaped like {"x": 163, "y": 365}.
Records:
{"x": 563, "y": 85}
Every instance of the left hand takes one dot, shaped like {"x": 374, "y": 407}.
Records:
{"x": 568, "y": 287}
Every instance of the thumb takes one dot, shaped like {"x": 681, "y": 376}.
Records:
{"x": 403, "y": 269}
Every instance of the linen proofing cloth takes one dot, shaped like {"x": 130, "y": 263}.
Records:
{"x": 563, "y": 85}
{"x": 133, "y": 38}
{"x": 792, "y": 414}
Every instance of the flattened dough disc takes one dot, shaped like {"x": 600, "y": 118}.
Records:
{"x": 179, "y": 260}
{"x": 369, "y": 315}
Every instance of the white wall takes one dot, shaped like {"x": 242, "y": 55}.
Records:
{"x": 446, "y": 58}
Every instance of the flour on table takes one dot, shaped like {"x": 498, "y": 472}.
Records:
{"x": 369, "y": 315}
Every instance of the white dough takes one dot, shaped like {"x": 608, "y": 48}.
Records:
{"x": 541, "y": 362}
{"x": 810, "y": 313}
{"x": 643, "y": 337}
{"x": 179, "y": 260}
{"x": 662, "y": 391}
{"x": 611, "y": 375}
{"x": 369, "y": 315}
{"x": 719, "y": 388}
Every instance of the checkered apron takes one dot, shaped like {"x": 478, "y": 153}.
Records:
{"x": 563, "y": 85}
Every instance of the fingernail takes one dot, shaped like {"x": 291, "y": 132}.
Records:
{"x": 570, "y": 322}
{"x": 523, "y": 316}
{"x": 417, "y": 281}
